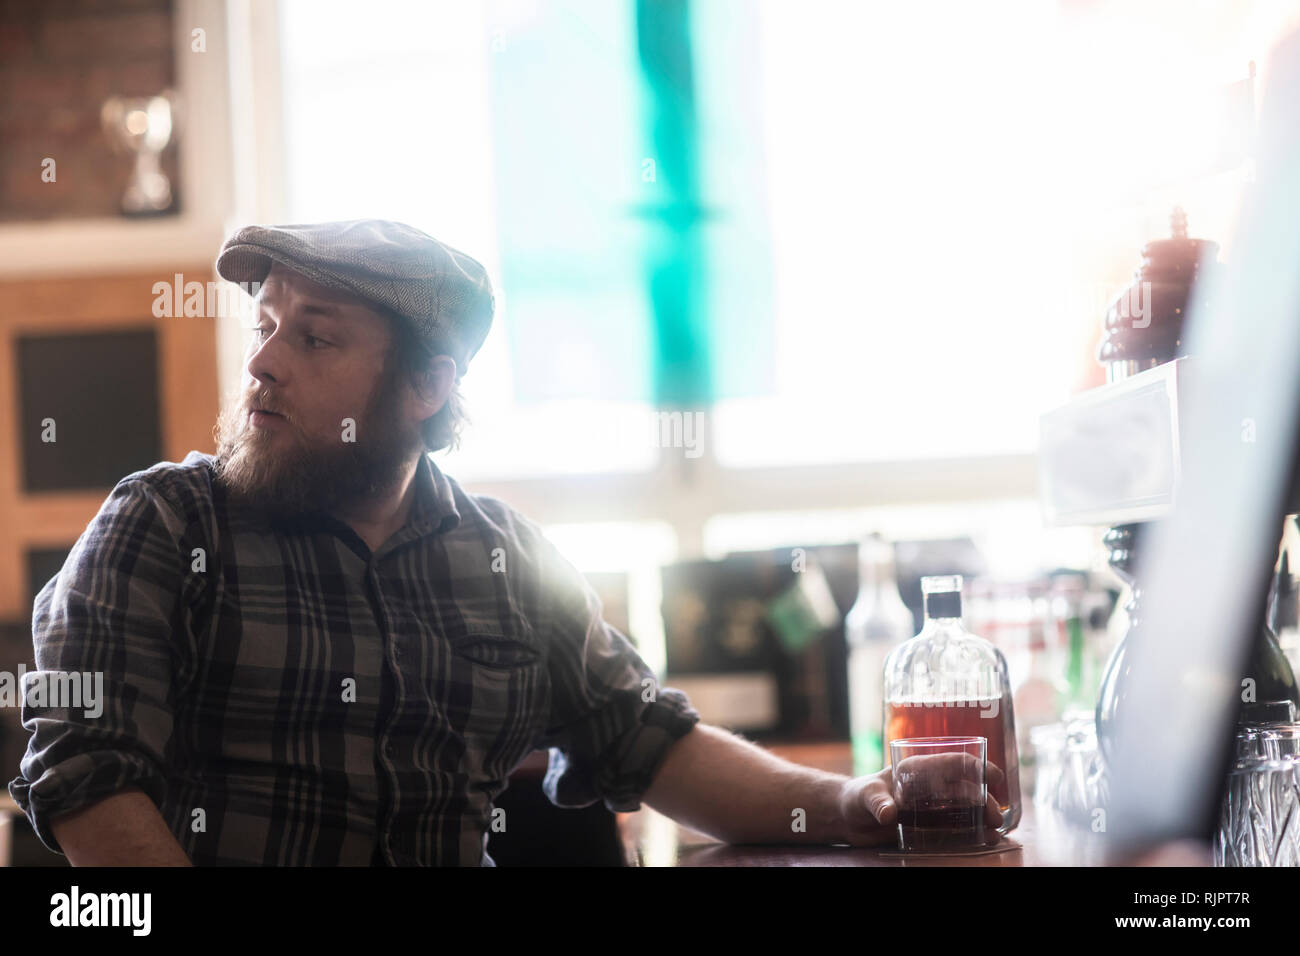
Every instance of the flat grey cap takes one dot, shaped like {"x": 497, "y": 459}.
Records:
{"x": 444, "y": 293}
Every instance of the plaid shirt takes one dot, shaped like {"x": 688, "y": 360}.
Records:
{"x": 323, "y": 705}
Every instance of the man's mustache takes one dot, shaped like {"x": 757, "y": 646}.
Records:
{"x": 260, "y": 402}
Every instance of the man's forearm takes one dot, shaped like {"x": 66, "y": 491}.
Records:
{"x": 728, "y": 788}
{"x": 124, "y": 829}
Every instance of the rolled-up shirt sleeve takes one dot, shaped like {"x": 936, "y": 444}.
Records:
{"x": 611, "y": 724}
{"x": 109, "y": 620}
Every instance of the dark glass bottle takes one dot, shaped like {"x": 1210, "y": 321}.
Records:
{"x": 1269, "y": 672}
{"x": 1269, "y": 669}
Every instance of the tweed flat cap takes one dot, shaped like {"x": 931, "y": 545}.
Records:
{"x": 444, "y": 293}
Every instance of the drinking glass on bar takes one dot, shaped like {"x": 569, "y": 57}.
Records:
{"x": 940, "y": 789}
{"x": 1259, "y": 825}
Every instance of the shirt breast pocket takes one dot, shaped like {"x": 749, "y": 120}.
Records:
{"x": 501, "y": 698}
{"x": 497, "y": 650}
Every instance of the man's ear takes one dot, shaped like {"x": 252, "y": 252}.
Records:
{"x": 435, "y": 383}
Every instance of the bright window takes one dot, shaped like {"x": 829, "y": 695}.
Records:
{"x": 894, "y": 227}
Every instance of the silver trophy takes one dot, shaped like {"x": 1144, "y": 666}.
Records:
{"x": 143, "y": 126}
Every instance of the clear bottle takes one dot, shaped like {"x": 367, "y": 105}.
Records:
{"x": 877, "y": 623}
{"x": 1041, "y": 694}
{"x": 948, "y": 682}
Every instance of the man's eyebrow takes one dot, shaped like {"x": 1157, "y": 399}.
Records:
{"x": 325, "y": 310}
{"x": 321, "y": 308}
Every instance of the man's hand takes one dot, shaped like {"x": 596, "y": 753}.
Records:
{"x": 870, "y": 812}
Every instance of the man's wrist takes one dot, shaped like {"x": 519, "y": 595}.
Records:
{"x": 830, "y": 826}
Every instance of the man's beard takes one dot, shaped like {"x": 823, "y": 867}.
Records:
{"x": 287, "y": 475}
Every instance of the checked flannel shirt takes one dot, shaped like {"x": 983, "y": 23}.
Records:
{"x": 321, "y": 704}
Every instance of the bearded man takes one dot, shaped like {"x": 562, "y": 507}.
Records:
{"x": 318, "y": 649}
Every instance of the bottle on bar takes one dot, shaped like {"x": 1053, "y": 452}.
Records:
{"x": 877, "y": 623}
{"x": 1286, "y": 614}
{"x": 1269, "y": 676}
{"x": 949, "y": 682}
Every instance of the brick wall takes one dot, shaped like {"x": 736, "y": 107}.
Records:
{"x": 59, "y": 61}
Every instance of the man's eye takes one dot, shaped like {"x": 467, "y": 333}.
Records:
{"x": 312, "y": 341}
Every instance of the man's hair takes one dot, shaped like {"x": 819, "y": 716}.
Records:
{"x": 408, "y": 356}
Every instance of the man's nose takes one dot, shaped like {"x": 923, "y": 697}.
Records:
{"x": 264, "y": 363}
